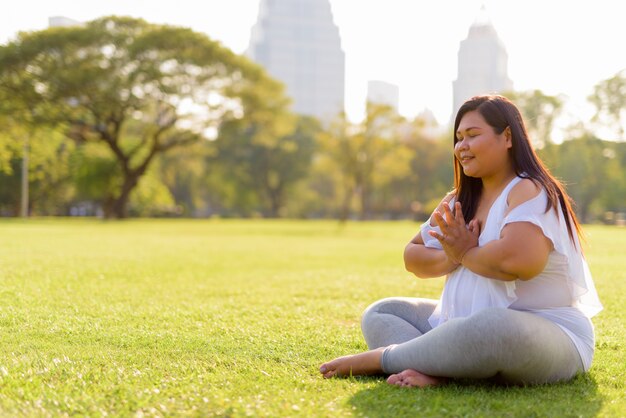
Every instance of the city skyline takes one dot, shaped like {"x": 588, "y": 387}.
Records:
{"x": 489, "y": 74}
{"x": 559, "y": 47}
{"x": 298, "y": 43}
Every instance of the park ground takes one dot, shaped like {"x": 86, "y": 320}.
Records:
{"x": 233, "y": 317}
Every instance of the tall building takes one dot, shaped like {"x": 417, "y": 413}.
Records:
{"x": 299, "y": 44}
{"x": 56, "y": 21}
{"x": 482, "y": 63}
{"x": 383, "y": 93}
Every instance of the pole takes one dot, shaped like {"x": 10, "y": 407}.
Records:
{"x": 24, "y": 203}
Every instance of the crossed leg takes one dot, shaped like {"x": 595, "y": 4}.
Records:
{"x": 413, "y": 378}
{"x": 518, "y": 347}
{"x": 367, "y": 363}
{"x": 386, "y": 322}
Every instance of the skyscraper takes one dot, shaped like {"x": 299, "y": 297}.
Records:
{"x": 299, "y": 44}
{"x": 383, "y": 93}
{"x": 57, "y": 21}
{"x": 482, "y": 63}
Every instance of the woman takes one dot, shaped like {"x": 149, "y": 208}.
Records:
{"x": 518, "y": 294}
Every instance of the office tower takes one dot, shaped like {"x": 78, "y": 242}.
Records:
{"x": 299, "y": 44}
{"x": 383, "y": 93}
{"x": 482, "y": 63}
{"x": 56, "y": 21}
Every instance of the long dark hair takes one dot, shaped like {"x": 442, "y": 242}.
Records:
{"x": 500, "y": 113}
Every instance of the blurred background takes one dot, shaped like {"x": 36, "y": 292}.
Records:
{"x": 296, "y": 108}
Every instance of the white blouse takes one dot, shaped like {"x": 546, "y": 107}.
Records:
{"x": 563, "y": 292}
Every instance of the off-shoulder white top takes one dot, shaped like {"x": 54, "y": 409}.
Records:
{"x": 563, "y": 292}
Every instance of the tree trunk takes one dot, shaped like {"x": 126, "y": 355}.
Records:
{"x": 344, "y": 211}
{"x": 275, "y": 204}
{"x": 583, "y": 210}
{"x": 117, "y": 207}
{"x": 365, "y": 203}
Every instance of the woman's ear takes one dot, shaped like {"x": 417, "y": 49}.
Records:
{"x": 508, "y": 137}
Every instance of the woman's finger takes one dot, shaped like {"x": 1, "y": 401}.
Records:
{"x": 433, "y": 234}
{"x": 439, "y": 237}
{"x": 472, "y": 226}
{"x": 441, "y": 223}
{"x": 460, "y": 219}
{"x": 448, "y": 214}
{"x": 477, "y": 226}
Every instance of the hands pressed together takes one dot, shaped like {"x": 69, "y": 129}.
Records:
{"x": 456, "y": 237}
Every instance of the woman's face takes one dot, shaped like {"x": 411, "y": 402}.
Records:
{"x": 481, "y": 152}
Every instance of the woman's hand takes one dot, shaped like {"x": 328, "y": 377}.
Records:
{"x": 440, "y": 208}
{"x": 456, "y": 237}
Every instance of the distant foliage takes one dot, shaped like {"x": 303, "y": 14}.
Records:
{"x": 121, "y": 117}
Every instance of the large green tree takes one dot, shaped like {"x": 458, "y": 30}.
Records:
{"x": 136, "y": 88}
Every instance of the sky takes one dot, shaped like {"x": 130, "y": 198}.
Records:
{"x": 562, "y": 47}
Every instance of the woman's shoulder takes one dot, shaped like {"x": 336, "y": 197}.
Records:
{"x": 525, "y": 190}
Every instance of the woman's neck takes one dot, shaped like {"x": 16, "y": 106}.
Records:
{"x": 493, "y": 185}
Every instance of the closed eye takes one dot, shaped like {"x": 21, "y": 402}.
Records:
{"x": 468, "y": 136}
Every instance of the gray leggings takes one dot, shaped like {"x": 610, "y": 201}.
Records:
{"x": 512, "y": 346}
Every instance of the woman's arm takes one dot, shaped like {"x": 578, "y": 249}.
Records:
{"x": 521, "y": 252}
{"x": 426, "y": 262}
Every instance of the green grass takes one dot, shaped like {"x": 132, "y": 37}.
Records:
{"x": 233, "y": 318}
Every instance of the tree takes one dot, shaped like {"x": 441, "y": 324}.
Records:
{"x": 266, "y": 154}
{"x": 614, "y": 190}
{"x": 10, "y": 157}
{"x": 609, "y": 98}
{"x": 184, "y": 173}
{"x": 9, "y": 144}
{"x": 584, "y": 168}
{"x": 539, "y": 111}
{"x": 136, "y": 88}
{"x": 431, "y": 167}
{"x": 47, "y": 173}
{"x": 359, "y": 152}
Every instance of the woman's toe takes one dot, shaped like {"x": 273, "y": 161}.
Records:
{"x": 394, "y": 379}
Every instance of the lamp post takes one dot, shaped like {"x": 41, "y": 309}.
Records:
{"x": 24, "y": 194}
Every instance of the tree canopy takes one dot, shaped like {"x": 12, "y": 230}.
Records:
{"x": 137, "y": 88}
{"x": 122, "y": 117}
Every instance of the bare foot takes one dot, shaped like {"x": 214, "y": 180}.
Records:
{"x": 413, "y": 378}
{"x": 359, "y": 364}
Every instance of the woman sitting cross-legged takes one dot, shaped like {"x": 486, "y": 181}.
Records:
{"x": 518, "y": 296}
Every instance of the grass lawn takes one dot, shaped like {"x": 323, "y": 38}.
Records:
{"x": 233, "y": 318}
